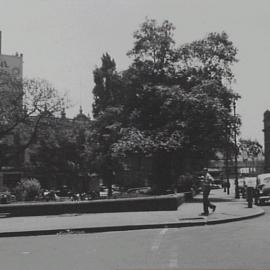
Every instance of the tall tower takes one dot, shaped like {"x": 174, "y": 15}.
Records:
{"x": 266, "y": 130}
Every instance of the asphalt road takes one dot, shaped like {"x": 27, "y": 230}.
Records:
{"x": 238, "y": 245}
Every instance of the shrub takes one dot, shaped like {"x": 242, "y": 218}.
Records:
{"x": 185, "y": 182}
{"x": 27, "y": 189}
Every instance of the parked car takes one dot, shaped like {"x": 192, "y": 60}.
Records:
{"x": 139, "y": 190}
{"x": 104, "y": 192}
{"x": 263, "y": 187}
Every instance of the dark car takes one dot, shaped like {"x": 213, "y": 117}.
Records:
{"x": 263, "y": 187}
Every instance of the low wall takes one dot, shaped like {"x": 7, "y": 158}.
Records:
{"x": 153, "y": 203}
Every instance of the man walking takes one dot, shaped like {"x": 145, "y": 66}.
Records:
{"x": 206, "y": 187}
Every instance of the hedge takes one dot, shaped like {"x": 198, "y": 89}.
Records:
{"x": 153, "y": 203}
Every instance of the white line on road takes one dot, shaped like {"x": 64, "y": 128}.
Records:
{"x": 173, "y": 263}
{"x": 26, "y": 252}
{"x": 163, "y": 231}
{"x": 157, "y": 241}
{"x": 173, "y": 260}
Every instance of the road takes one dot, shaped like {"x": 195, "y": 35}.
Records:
{"x": 238, "y": 245}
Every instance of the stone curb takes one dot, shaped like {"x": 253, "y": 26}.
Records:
{"x": 220, "y": 221}
{"x": 128, "y": 227}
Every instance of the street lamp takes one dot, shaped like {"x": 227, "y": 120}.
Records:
{"x": 227, "y": 159}
{"x": 235, "y": 152}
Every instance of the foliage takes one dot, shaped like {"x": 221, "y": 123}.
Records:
{"x": 24, "y": 108}
{"x": 209, "y": 58}
{"x": 172, "y": 102}
{"x": 153, "y": 52}
{"x": 107, "y": 109}
{"x": 22, "y": 100}
{"x": 59, "y": 153}
{"x": 250, "y": 148}
{"x": 190, "y": 101}
{"x": 107, "y": 91}
{"x": 27, "y": 189}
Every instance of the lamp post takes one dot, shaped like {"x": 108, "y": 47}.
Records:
{"x": 227, "y": 160}
{"x": 235, "y": 152}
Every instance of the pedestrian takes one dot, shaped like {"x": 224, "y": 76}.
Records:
{"x": 207, "y": 180}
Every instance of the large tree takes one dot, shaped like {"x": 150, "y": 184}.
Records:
{"x": 107, "y": 109}
{"x": 173, "y": 104}
{"x": 24, "y": 105}
{"x": 181, "y": 101}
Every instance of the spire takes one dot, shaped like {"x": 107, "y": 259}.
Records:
{"x": 81, "y": 111}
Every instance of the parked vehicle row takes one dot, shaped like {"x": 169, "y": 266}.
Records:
{"x": 260, "y": 185}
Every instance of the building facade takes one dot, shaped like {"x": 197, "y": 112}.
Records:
{"x": 266, "y": 130}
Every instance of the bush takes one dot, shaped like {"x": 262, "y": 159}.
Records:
{"x": 27, "y": 189}
{"x": 185, "y": 182}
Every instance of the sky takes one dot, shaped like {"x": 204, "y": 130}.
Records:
{"x": 62, "y": 41}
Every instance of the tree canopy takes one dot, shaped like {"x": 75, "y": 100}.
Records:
{"x": 172, "y": 102}
{"x": 250, "y": 148}
{"x": 24, "y": 106}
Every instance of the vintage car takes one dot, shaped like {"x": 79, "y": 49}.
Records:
{"x": 263, "y": 187}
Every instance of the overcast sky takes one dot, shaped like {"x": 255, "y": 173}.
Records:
{"x": 63, "y": 40}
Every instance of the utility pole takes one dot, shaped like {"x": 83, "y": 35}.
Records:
{"x": 235, "y": 152}
{"x": 227, "y": 172}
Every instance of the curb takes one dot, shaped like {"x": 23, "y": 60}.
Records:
{"x": 214, "y": 222}
{"x": 127, "y": 227}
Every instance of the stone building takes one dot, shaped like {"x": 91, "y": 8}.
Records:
{"x": 30, "y": 163}
{"x": 11, "y": 73}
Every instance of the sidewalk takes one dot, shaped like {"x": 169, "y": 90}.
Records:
{"x": 188, "y": 214}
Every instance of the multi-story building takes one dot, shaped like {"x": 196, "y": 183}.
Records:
{"x": 11, "y": 71}
{"x": 266, "y": 130}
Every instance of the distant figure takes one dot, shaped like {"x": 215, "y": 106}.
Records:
{"x": 207, "y": 180}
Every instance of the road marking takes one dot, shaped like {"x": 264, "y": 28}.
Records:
{"x": 164, "y": 231}
{"x": 173, "y": 263}
{"x": 173, "y": 260}
{"x": 26, "y": 252}
{"x": 157, "y": 242}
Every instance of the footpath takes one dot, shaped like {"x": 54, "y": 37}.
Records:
{"x": 228, "y": 209}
